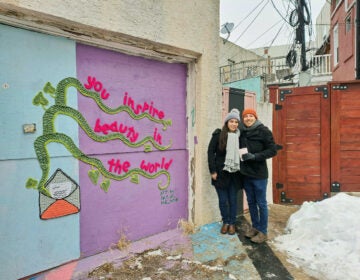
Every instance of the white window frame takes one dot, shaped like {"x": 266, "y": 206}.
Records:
{"x": 337, "y": 3}
{"x": 336, "y": 44}
{"x": 349, "y": 4}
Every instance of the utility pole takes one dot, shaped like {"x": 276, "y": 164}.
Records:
{"x": 300, "y": 32}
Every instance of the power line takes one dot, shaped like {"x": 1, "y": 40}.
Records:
{"x": 276, "y": 9}
{"x": 277, "y": 34}
{"x": 283, "y": 17}
{"x": 262, "y": 34}
{"x": 249, "y": 24}
{"x": 252, "y": 22}
{"x": 283, "y": 11}
{"x": 248, "y": 14}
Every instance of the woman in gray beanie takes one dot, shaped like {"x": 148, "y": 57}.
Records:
{"x": 224, "y": 167}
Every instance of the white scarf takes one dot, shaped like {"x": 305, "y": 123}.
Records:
{"x": 232, "y": 159}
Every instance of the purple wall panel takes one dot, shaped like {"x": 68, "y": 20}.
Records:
{"x": 136, "y": 209}
{"x": 145, "y": 81}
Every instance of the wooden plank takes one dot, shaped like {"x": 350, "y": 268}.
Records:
{"x": 306, "y": 170}
{"x": 294, "y": 130}
{"x": 349, "y": 187}
{"x": 301, "y": 147}
{"x": 306, "y": 179}
{"x": 348, "y": 163}
{"x": 309, "y": 100}
{"x": 350, "y": 138}
{"x": 301, "y": 187}
{"x": 303, "y": 138}
{"x": 308, "y": 112}
{"x": 348, "y": 130}
{"x": 295, "y": 163}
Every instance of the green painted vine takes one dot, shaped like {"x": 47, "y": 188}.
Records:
{"x": 50, "y": 135}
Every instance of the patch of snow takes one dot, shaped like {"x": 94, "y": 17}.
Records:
{"x": 323, "y": 238}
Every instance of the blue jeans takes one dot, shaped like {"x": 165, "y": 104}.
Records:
{"x": 255, "y": 190}
{"x": 228, "y": 202}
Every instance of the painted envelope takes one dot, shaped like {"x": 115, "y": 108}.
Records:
{"x": 63, "y": 199}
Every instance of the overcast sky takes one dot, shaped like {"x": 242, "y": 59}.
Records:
{"x": 258, "y": 23}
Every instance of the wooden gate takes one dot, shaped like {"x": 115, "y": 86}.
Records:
{"x": 318, "y": 130}
{"x": 301, "y": 127}
{"x": 345, "y": 136}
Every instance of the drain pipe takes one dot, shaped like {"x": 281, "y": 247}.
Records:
{"x": 357, "y": 39}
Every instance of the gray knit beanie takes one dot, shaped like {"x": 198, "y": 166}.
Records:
{"x": 234, "y": 114}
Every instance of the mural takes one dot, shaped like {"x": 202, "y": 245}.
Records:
{"x": 100, "y": 137}
{"x": 63, "y": 198}
{"x": 112, "y": 131}
{"x": 138, "y": 110}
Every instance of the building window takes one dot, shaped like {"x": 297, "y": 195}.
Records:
{"x": 336, "y": 44}
{"x": 335, "y": 5}
{"x": 348, "y": 24}
{"x": 349, "y": 4}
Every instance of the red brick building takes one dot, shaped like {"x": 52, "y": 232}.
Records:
{"x": 344, "y": 45}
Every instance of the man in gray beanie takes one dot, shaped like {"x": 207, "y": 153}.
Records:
{"x": 224, "y": 167}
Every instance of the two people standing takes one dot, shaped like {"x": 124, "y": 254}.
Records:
{"x": 252, "y": 174}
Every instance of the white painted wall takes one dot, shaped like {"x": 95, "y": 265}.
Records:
{"x": 323, "y": 25}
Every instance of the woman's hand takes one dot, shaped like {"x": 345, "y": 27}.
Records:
{"x": 214, "y": 176}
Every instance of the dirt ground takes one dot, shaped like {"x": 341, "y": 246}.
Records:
{"x": 278, "y": 217}
{"x": 157, "y": 265}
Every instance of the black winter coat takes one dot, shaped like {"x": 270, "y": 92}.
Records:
{"x": 216, "y": 161}
{"x": 258, "y": 139}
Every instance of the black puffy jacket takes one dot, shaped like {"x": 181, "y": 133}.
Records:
{"x": 259, "y": 140}
{"x": 216, "y": 162}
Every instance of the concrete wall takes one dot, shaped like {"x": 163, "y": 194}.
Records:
{"x": 169, "y": 36}
{"x": 323, "y": 25}
{"x": 232, "y": 53}
{"x": 273, "y": 51}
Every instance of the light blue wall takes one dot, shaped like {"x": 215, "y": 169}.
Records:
{"x": 252, "y": 84}
{"x": 28, "y": 244}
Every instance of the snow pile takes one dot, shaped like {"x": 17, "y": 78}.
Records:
{"x": 323, "y": 238}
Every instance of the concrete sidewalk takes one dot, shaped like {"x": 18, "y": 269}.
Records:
{"x": 209, "y": 244}
{"x": 206, "y": 245}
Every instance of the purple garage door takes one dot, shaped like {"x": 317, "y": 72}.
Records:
{"x": 133, "y": 173}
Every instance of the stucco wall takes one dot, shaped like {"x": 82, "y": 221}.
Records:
{"x": 232, "y": 53}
